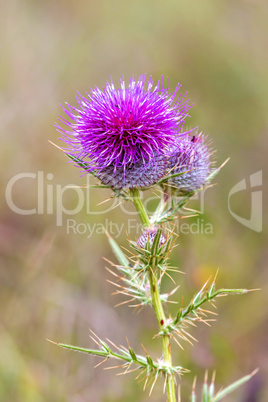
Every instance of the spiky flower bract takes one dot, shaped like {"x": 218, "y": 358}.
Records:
{"x": 118, "y": 132}
{"x": 136, "y": 174}
{"x": 148, "y": 236}
{"x": 190, "y": 164}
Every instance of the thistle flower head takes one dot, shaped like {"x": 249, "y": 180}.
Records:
{"x": 190, "y": 158}
{"x": 148, "y": 236}
{"x": 139, "y": 174}
{"x": 119, "y": 131}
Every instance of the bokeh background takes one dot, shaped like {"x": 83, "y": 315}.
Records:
{"x": 53, "y": 284}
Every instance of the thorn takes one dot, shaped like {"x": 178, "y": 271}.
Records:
{"x": 145, "y": 382}
{"x": 173, "y": 269}
{"x": 213, "y": 377}
{"x": 223, "y": 164}
{"x": 152, "y": 387}
{"x": 127, "y": 342}
{"x": 205, "y": 284}
{"x": 94, "y": 340}
{"x": 145, "y": 350}
{"x": 138, "y": 376}
{"x": 114, "y": 367}
{"x": 206, "y": 377}
{"x": 177, "y": 342}
{"x": 215, "y": 277}
{"x": 124, "y": 302}
{"x": 96, "y": 336}
{"x": 171, "y": 301}
{"x": 191, "y": 336}
{"x": 113, "y": 344}
{"x": 254, "y": 372}
{"x": 213, "y": 305}
{"x": 54, "y": 343}
{"x": 103, "y": 202}
{"x": 170, "y": 277}
{"x": 103, "y": 361}
{"x": 117, "y": 205}
{"x": 205, "y": 322}
{"x": 179, "y": 393}
{"x": 208, "y": 311}
{"x": 114, "y": 265}
{"x": 140, "y": 309}
{"x": 129, "y": 371}
{"x": 56, "y": 145}
{"x": 134, "y": 255}
{"x": 112, "y": 272}
{"x": 165, "y": 383}
{"x": 115, "y": 284}
{"x": 107, "y": 233}
{"x": 125, "y": 349}
{"x": 194, "y": 384}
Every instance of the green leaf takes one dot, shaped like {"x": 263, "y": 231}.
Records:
{"x": 83, "y": 350}
{"x": 132, "y": 354}
{"x": 80, "y": 163}
{"x": 233, "y": 386}
{"x": 205, "y": 396}
{"x": 149, "y": 361}
{"x": 193, "y": 397}
{"x": 155, "y": 245}
{"x": 122, "y": 259}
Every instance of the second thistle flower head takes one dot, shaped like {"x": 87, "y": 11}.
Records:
{"x": 119, "y": 133}
{"x": 148, "y": 236}
{"x": 190, "y": 160}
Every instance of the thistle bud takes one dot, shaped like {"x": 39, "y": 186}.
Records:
{"x": 148, "y": 235}
{"x": 190, "y": 158}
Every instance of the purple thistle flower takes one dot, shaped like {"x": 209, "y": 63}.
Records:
{"x": 148, "y": 235}
{"x": 191, "y": 158}
{"x": 122, "y": 135}
{"x": 136, "y": 174}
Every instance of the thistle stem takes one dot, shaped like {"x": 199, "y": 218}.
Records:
{"x": 160, "y": 208}
{"x": 156, "y": 301}
{"x": 140, "y": 207}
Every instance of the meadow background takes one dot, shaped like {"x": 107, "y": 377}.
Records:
{"x": 53, "y": 284}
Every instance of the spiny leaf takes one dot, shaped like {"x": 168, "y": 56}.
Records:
{"x": 129, "y": 357}
{"x": 122, "y": 259}
{"x": 193, "y": 312}
{"x": 208, "y": 390}
{"x": 226, "y": 391}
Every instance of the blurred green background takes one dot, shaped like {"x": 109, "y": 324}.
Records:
{"x": 53, "y": 284}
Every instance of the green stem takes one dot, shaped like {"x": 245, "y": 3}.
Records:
{"x": 140, "y": 207}
{"x": 156, "y": 301}
{"x": 160, "y": 208}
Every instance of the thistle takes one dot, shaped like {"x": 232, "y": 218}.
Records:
{"x": 132, "y": 138}
{"x": 190, "y": 164}
{"x": 122, "y": 135}
{"x": 148, "y": 236}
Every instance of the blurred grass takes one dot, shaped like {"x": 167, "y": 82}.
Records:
{"x": 52, "y": 284}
